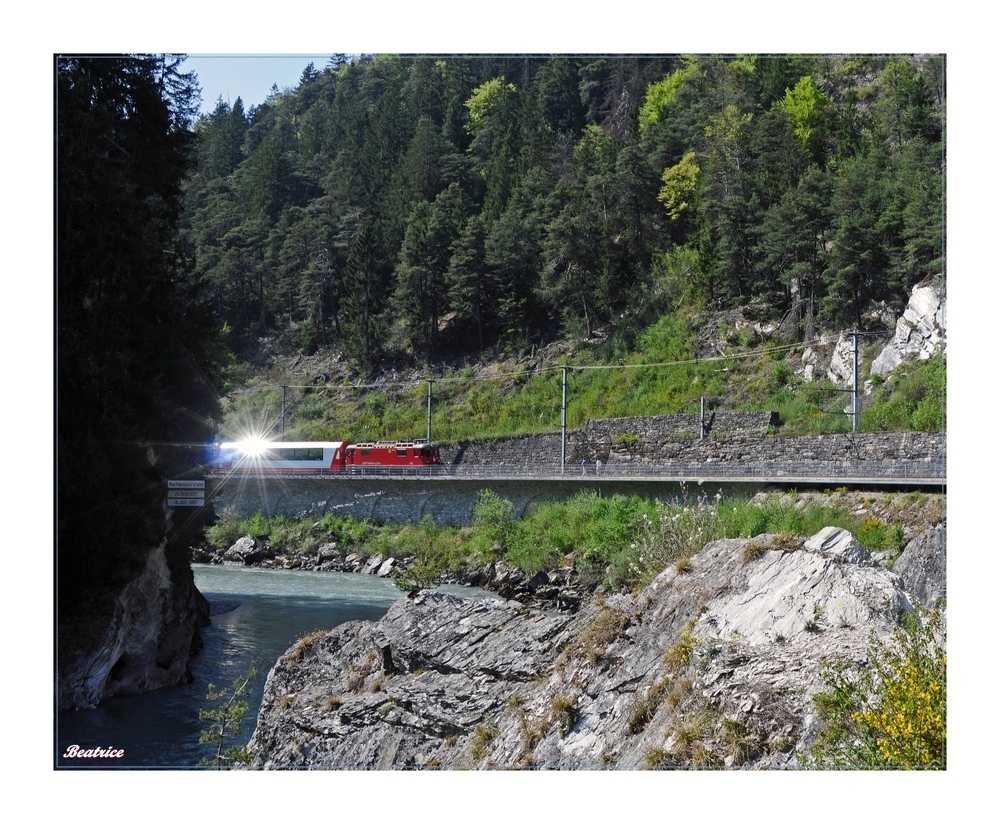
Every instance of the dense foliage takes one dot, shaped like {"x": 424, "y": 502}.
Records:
{"x": 131, "y": 339}
{"x": 622, "y": 541}
{"x": 913, "y": 399}
{"x": 415, "y": 205}
{"x": 892, "y": 713}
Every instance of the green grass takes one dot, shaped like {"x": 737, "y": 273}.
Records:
{"x": 622, "y": 542}
{"x": 517, "y": 403}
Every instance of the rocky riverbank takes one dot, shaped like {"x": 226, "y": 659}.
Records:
{"x": 713, "y": 665}
{"x": 557, "y": 590}
{"x": 147, "y": 639}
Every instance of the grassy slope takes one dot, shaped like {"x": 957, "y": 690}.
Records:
{"x": 671, "y": 365}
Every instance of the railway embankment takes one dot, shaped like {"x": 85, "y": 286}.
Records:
{"x": 527, "y": 469}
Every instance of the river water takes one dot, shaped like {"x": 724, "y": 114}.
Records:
{"x": 256, "y": 616}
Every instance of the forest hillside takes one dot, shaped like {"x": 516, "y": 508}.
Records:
{"x": 411, "y": 217}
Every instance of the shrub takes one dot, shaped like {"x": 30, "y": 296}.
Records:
{"x": 667, "y": 534}
{"x": 912, "y": 400}
{"x": 227, "y": 531}
{"x": 494, "y": 516}
{"x": 225, "y": 720}
{"x": 679, "y": 655}
{"x": 892, "y": 713}
{"x": 875, "y": 534}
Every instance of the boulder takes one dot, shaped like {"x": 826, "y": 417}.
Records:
{"x": 922, "y": 567}
{"x": 327, "y": 552}
{"x": 247, "y": 550}
{"x": 372, "y": 564}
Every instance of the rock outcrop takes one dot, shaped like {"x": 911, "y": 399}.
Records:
{"x": 919, "y": 332}
{"x": 922, "y": 567}
{"x": 148, "y": 642}
{"x": 714, "y": 664}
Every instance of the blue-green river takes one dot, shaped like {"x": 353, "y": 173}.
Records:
{"x": 256, "y": 616}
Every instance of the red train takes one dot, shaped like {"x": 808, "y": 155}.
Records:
{"x": 325, "y": 457}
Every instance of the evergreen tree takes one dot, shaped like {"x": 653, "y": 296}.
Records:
{"x": 793, "y": 243}
{"x": 471, "y": 291}
{"x": 365, "y": 291}
{"x": 132, "y": 338}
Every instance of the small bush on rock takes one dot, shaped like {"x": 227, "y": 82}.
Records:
{"x": 892, "y": 713}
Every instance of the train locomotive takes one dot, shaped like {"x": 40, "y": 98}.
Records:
{"x": 326, "y": 457}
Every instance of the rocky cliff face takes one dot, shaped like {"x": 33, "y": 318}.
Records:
{"x": 714, "y": 664}
{"x": 147, "y": 643}
{"x": 920, "y": 331}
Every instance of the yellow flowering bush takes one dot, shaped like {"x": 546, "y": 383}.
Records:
{"x": 680, "y": 653}
{"x": 892, "y": 714}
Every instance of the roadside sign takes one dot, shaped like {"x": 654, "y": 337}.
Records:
{"x": 185, "y": 493}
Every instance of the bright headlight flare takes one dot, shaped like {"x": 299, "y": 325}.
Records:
{"x": 248, "y": 448}
{"x": 253, "y": 447}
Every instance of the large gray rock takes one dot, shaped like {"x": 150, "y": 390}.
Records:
{"x": 148, "y": 642}
{"x": 922, "y": 567}
{"x": 919, "y": 332}
{"x": 247, "y": 550}
{"x": 712, "y": 666}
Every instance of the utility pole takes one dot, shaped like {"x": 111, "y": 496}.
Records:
{"x": 563, "y": 465}
{"x": 430, "y": 383}
{"x": 856, "y": 396}
{"x": 283, "y": 388}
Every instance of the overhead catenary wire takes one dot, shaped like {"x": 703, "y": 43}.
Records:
{"x": 412, "y": 382}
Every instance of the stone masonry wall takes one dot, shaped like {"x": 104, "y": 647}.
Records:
{"x": 734, "y": 438}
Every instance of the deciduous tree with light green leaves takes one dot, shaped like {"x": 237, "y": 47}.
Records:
{"x": 680, "y": 182}
{"x": 808, "y": 109}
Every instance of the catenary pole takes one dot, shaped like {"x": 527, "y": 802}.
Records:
{"x": 856, "y": 397}
{"x": 563, "y": 464}
{"x": 430, "y": 383}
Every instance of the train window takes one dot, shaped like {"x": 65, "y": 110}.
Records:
{"x": 365, "y": 453}
{"x": 299, "y": 454}
{"x": 400, "y": 453}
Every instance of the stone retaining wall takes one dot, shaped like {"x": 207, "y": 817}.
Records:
{"x": 448, "y": 501}
{"x": 675, "y": 438}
